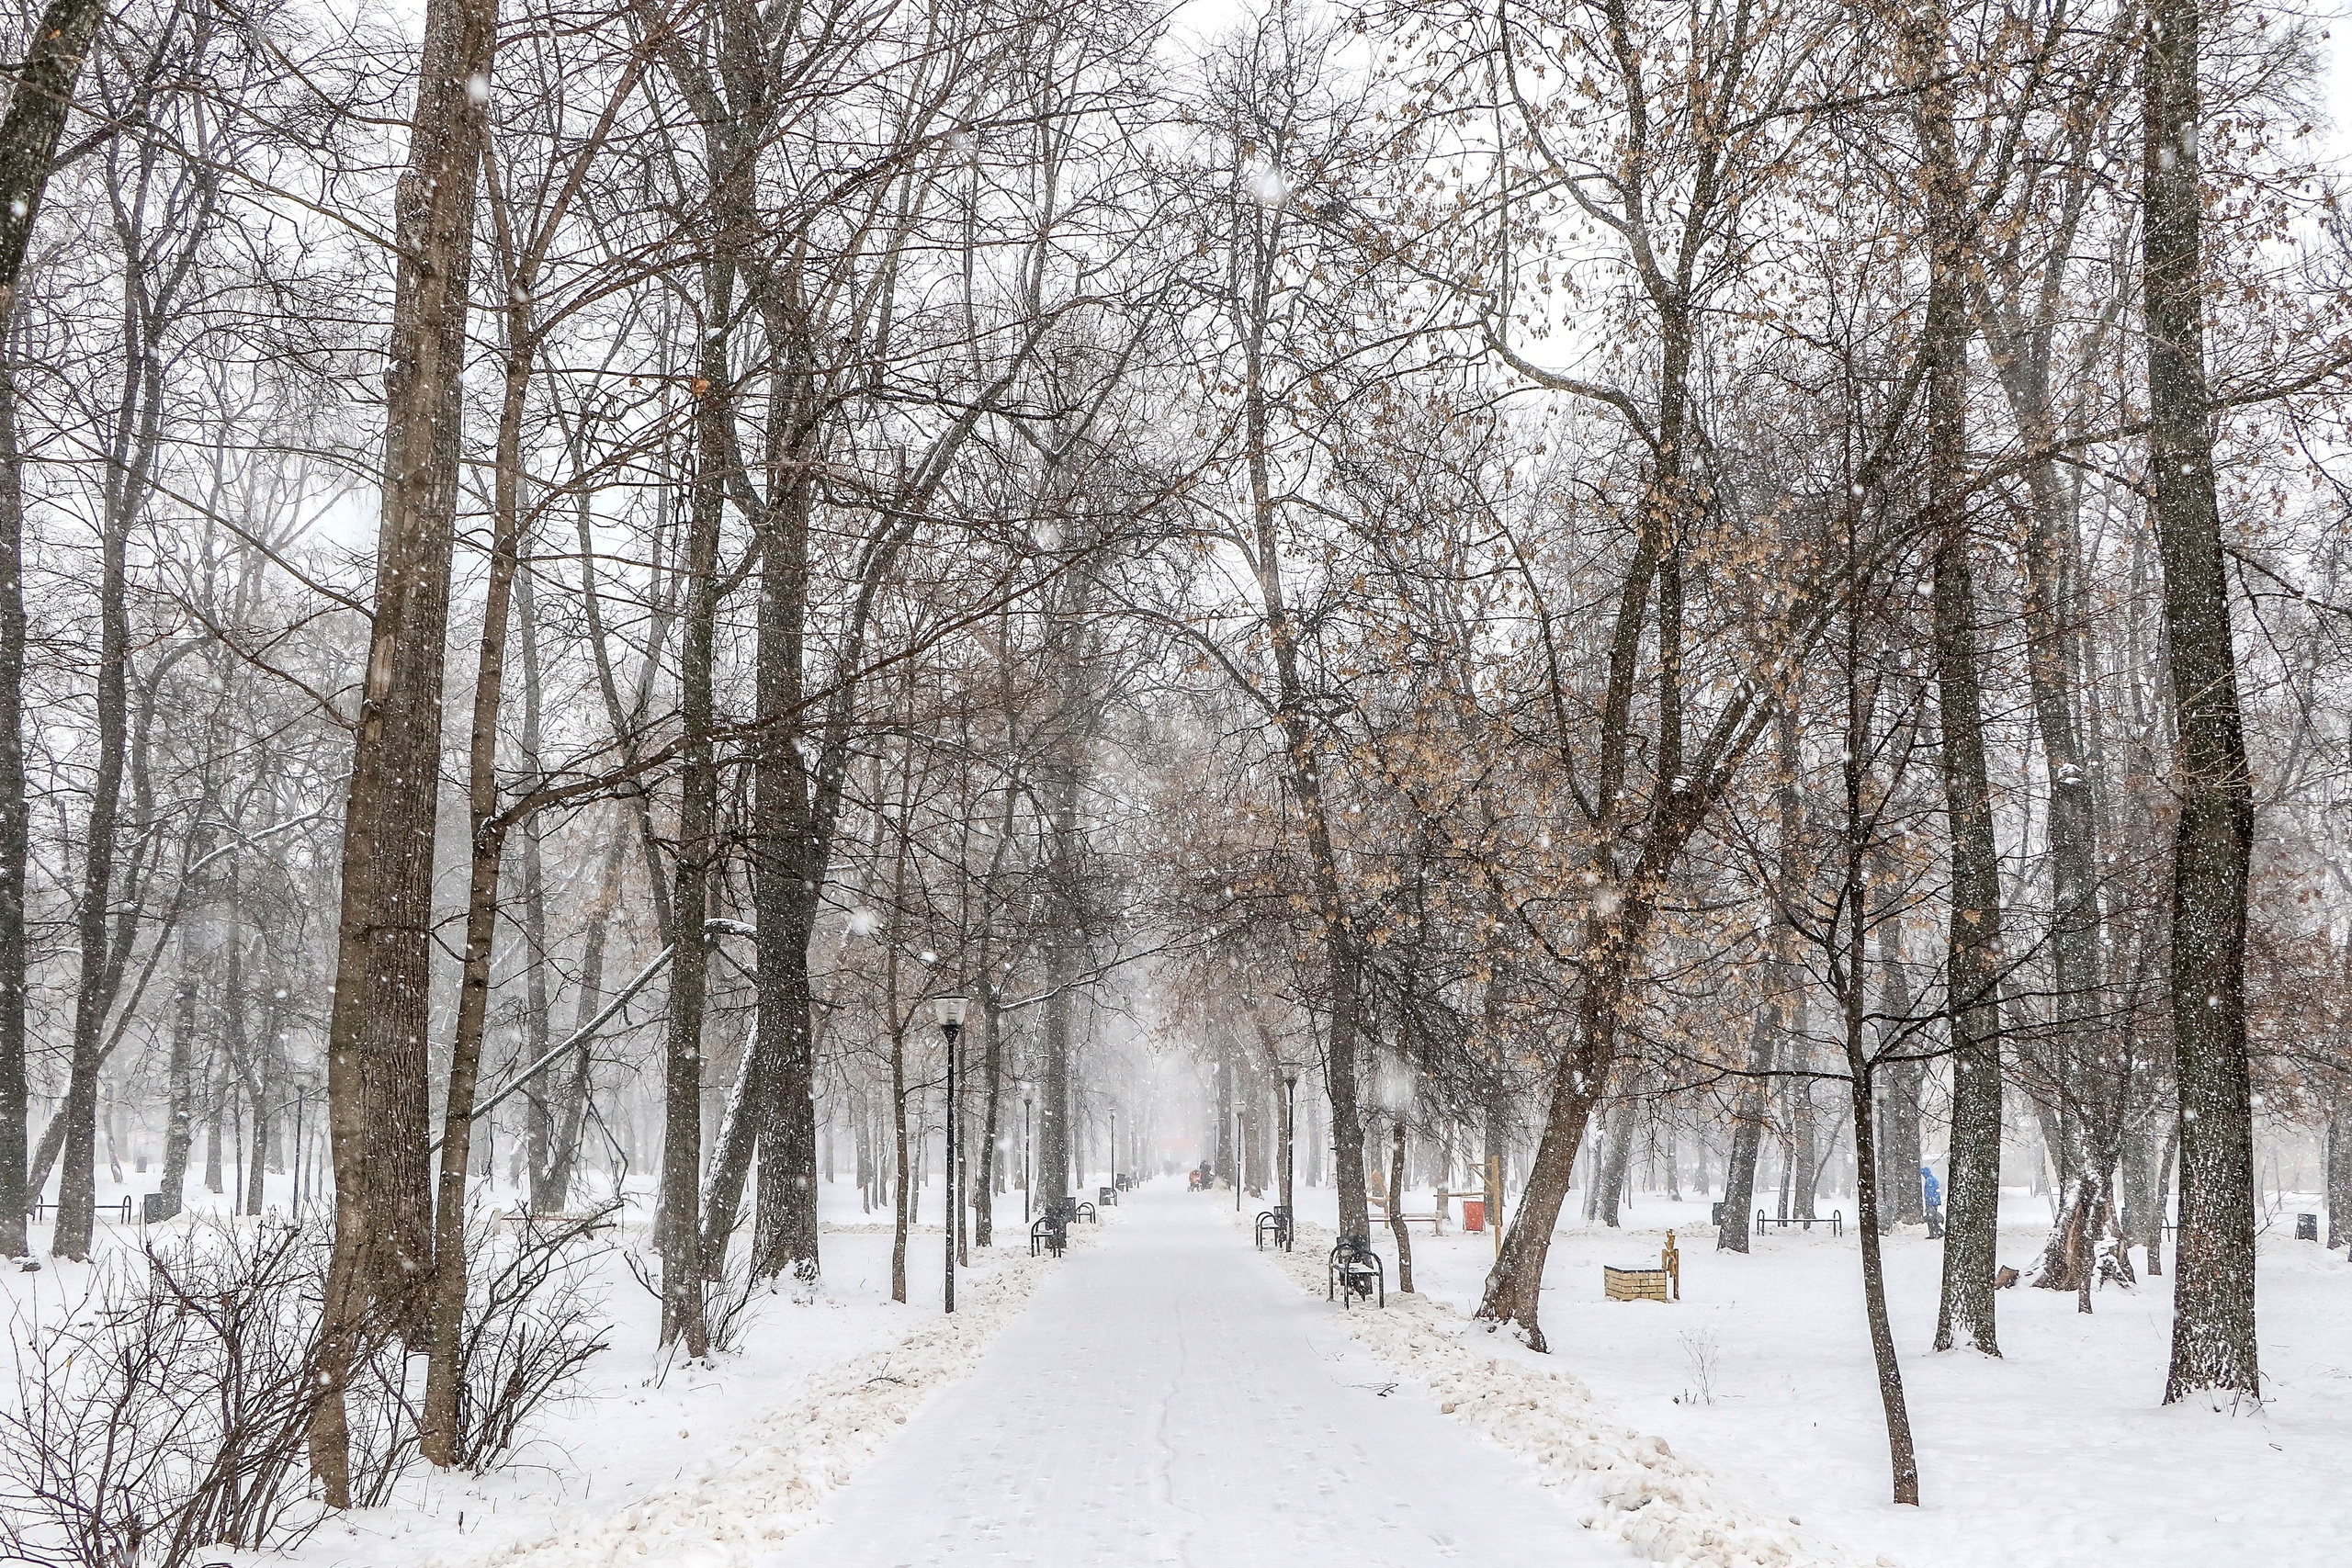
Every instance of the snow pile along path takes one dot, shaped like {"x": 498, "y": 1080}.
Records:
{"x": 1667, "y": 1508}
{"x": 763, "y": 1486}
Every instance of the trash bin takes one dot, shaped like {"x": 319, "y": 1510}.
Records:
{"x": 1474, "y": 1215}
{"x": 2306, "y": 1227}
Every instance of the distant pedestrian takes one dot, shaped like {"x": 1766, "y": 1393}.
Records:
{"x": 1932, "y": 1191}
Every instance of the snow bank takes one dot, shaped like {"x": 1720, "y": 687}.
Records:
{"x": 1669, "y": 1509}
{"x": 765, "y": 1485}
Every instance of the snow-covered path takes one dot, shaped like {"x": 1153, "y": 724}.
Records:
{"x": 1172, "y": 1400}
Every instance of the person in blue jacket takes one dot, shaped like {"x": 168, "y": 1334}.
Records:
{"x": 1933, "y": 1192}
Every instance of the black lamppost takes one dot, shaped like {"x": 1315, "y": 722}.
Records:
{"x": 1290, "y": 1140}
{"x": 949, "y": 1013}
{"x": 1114, "y": 1145}
{"x": 1028, "y": 1164}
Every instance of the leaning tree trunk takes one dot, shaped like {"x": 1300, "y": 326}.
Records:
{"x": 2213, "y": 1344}
{"x": 378, "y": 1097}
{"x": 1903, "y": 1456}
{"x": 1515, "y": 1284}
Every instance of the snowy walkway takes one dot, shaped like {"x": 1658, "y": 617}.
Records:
{"x": 1172, "y": 1400}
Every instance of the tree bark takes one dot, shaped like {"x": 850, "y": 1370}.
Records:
{"x": 378, "y": 1102}
{"x": 685, "y": 1266}
{"x": 788, "y": 867}
{"x": 439, "y": 1436}
{"x": 179, "y": 1123}
{"x": 1973, "y": 938}
{"x": 2214, "y": 1343}
{"x": 29, "y": 136}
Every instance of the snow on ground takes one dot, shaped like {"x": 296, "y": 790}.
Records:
{"x": 1758, "y": 1383}
{"x": 1628, "y": 1484}
{"x": 693, "y": 1464}
{"x": 1167, "y": 1402}
{"x": 2057, "y": 1454}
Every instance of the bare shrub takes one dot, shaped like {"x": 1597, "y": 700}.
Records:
{"x": 531, "y": 1324}
{"x": 1703, "y": 1354}
{"x": 166, "y": 1409}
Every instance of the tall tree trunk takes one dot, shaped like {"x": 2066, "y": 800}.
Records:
{"x": 2213, "y": 1344}
{"x": 789, "y": 871}
{"x": 1973, "y": 942}
{"x": 539, "y": 1025}
{"x": 902, "y": 1209}
{"x": 1304, "y": 768}
{"x": 15, "y": 821}
{"x": 439, "y": 1436}
{"x": 29, "y": 136}
{"x": 1060, "y": 784}
{"x": 378, "y": 1099}
{"x": 94, "y": 990}
{"x": 685, "y": 1264}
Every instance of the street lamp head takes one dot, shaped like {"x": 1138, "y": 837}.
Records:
{"x": 948, "y": 1012}
{"x": 1291, "y": 1070}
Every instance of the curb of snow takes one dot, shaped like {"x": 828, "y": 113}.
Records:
{"x": 1669, "y": 1509}
{"x": 764, "y": 1485}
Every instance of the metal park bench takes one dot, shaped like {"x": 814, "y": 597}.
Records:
{"x": 1835, "y": 1220}
{"x": 1051, "y": 1232}
{"x": 1107, "y": 1195}
{"x": 1355, "y": 1270}
{"x": 1277, "y": 1220}
{"x": 119, "y": 1213}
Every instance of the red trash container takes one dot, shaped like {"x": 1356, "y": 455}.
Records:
{"x": 1474, "y": 1215}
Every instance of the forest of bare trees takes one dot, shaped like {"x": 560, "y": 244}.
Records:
{"x": 1764, "y": 580}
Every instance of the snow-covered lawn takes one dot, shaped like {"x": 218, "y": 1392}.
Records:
{"x": 1628, "y": 1484}
{"x": 2057, "y": 1454}
{"x": 685, "y": 1465}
